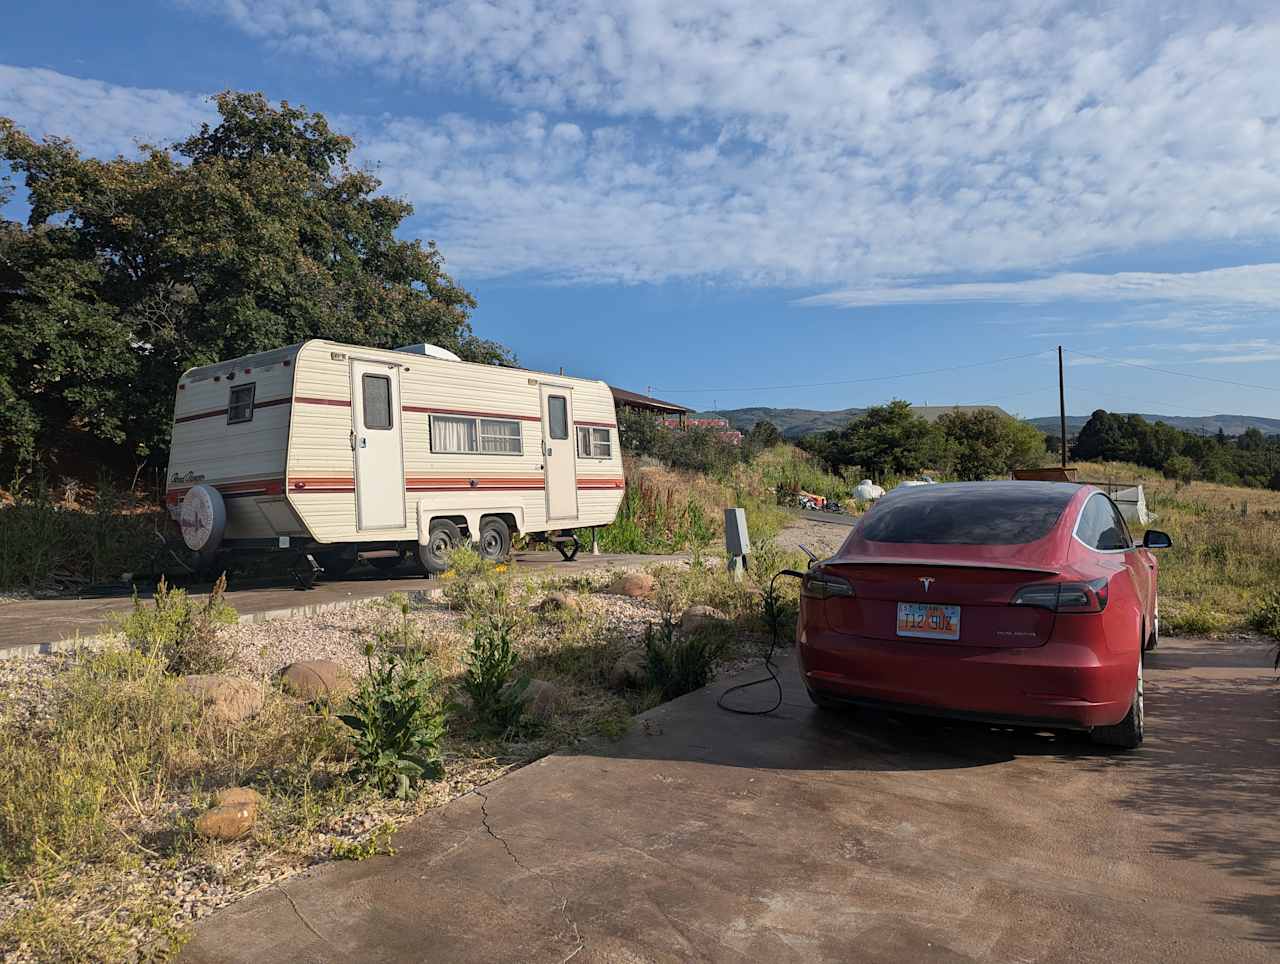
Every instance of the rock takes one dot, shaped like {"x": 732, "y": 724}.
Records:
{"x": 228, "y": 699}
{"x": 226, "y": 823}
{"x": 316, "y": 679}
{"x": 637, "y": 585}
{"x": 542, "y": 699}
{"x": 698, "y": 618}
{"x": 238, "y": 797}
{"x": 629, "y": 670}
{"x": 560, "y": 602}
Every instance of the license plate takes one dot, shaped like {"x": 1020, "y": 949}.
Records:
{"x": 928, "y": 621}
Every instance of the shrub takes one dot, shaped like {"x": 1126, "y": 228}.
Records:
{"x": 497, "y": 699}
{"x": 396, "y": 721}
{"x": 1265, "y": 616}
{"x": 678, "y": 664}
{"x": 49, "y": 544}
{"x": 1197, "y": 620}
{"x": 180, "y": 632}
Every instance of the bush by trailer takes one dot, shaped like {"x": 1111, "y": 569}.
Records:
{"x": 345, "y": 452}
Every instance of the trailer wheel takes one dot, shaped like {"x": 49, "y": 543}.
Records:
{"x": 495, "y": 540}
{"x": 442, "y": 538}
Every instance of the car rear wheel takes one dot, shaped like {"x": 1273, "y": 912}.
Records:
{"x": 823, "y": 702}
{"x": 1154, "y": 639}
{"x": 1128, "y": 732}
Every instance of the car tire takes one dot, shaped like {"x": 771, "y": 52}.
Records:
{"x": 442, "y": 538}
{"x": 1154, "y": 639}
{"x": 823, "y": 702}
{"x": 1128, "y": 733}
{"x": 494, "y": 544}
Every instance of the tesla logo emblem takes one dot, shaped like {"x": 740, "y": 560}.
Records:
{"x": 927, "y": 581}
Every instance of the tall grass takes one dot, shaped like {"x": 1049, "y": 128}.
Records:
{"x": 49, "y": 543}
{"x": 1226, "y": 548}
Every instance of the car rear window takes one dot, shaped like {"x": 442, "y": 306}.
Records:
{"x": 986, "y": 515}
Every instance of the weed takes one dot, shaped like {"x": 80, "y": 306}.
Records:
{"x": 1197, "y": 620}
{"x": 378, "y": 843}
{"x": 396, "y": 722}
{"x": 181, "y": 632}
{"x": 677, "y": 664}
{"x": 1265, "y": 617}
{"x": 498, "y": 700}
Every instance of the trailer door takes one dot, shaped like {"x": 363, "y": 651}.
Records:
{"x": 375, "y": 438}
{"x": 558, "y": 458}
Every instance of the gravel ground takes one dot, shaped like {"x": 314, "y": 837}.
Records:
{"x": 822, "y": 538}
{"x": 232, "y": 871}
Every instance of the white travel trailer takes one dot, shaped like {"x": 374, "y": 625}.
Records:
{"x": 342, "y": 452}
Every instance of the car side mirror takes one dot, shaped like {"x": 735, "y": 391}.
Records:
{"x": 1155, "y": 539}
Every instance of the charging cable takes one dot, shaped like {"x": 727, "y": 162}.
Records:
{"x": 774, "y": 620}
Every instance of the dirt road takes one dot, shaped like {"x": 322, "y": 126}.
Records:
{"x": 806, "y": 836}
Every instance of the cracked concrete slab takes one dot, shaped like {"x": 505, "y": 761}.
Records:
{"x": 804, "y": 836}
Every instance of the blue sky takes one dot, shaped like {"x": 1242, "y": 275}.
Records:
{"x": 730, "y": 202}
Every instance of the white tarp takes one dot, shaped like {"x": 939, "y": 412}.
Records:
{"x": 867, "y": 491}
{"x": 1132, "y": 503}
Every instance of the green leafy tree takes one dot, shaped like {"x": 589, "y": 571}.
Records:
{"x": 639, "y": 432}
{"x": 985, "y": 443}
{"x": 253, "y": 233}
{"x": 763, "y": 435}
{"x": 1181, "y": 468}
{"x": 884, "y": 440}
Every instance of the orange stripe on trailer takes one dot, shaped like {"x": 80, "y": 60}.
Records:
{"x": 601, "y": 483}
{"x": 341, "y": 402}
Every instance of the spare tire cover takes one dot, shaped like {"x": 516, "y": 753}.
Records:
{"x": 203, "y": 518}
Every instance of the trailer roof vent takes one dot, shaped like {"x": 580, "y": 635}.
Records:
{"x": 431, "y": 351}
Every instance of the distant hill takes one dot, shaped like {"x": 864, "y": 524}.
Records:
{"x": 795, "y": 423}
{"x": 1199, "y": 424}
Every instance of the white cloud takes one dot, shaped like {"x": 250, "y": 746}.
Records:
{"x": 102, "y": 119}
{"x": 1254, "y": 285}
{"x": 812, "y": 143}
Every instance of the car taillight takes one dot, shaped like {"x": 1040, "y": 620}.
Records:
{"x": 1065, "y": 597}
{"x": 822, "y": 585}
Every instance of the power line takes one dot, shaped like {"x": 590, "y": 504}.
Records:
{"x": 852, "y": 381}
{"x": 1167, "y": 371}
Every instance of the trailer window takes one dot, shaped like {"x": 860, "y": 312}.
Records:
{"x": 377, "y": 401}
{"x": 454, "y": 434}
{"x": 240, "y": 407}
{"x": 594, "y": 443}
{"x": 500, "y": 435}
{"x": 558, "y": 416}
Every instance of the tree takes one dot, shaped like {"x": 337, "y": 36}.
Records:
{"x": 884, "y": 440}
{"x": 251, "y": 234}
{"x": 763, "y": 435}
{"x": 1181, "y": 468}
{"x": 985, "y": 443}
{"x": 638, "y": 432}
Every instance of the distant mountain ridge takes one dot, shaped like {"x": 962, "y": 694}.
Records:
{"x": 795, "y": 423}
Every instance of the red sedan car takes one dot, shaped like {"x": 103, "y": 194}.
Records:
{"x": 1009, "y": 602}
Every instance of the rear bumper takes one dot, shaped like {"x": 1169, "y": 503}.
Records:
{"x": 1059, "y": 685}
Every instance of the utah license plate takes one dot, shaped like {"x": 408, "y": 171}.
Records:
{"x": 928, "y": 621}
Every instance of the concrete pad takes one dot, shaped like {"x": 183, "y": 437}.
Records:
{"x": 29, "y": 627}
{"x": 813, "y": 836}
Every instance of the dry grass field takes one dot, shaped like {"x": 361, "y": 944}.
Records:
{"x": 1225, "y": 560}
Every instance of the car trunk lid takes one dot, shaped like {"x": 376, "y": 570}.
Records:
{"x": 981, "y": 589}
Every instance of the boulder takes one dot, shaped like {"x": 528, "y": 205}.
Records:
{"x": 226, "y": 823}
{"x": 629, "y": 670}
{"x": 637, "y": 585}
{"x": 560, "y": 602}
{"x": 316, "y": 679}
{"x": 698, "y": 618}
{"x": 238, "y": 797}
{"x": 542, "y": 699}
{"x": 228, "y": 699}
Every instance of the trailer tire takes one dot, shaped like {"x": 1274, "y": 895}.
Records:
{"x": 442, "y": 538}
{"x": 494, "y": 544}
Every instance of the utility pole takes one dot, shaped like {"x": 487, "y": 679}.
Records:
{"x": 1062, "y": 411}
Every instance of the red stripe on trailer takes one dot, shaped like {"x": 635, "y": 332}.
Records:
{"x": 341, "y": 402}
{"x": 601, "y": 483}
{"x": 597, "y": 424}
{"x": 428, "y": 410}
